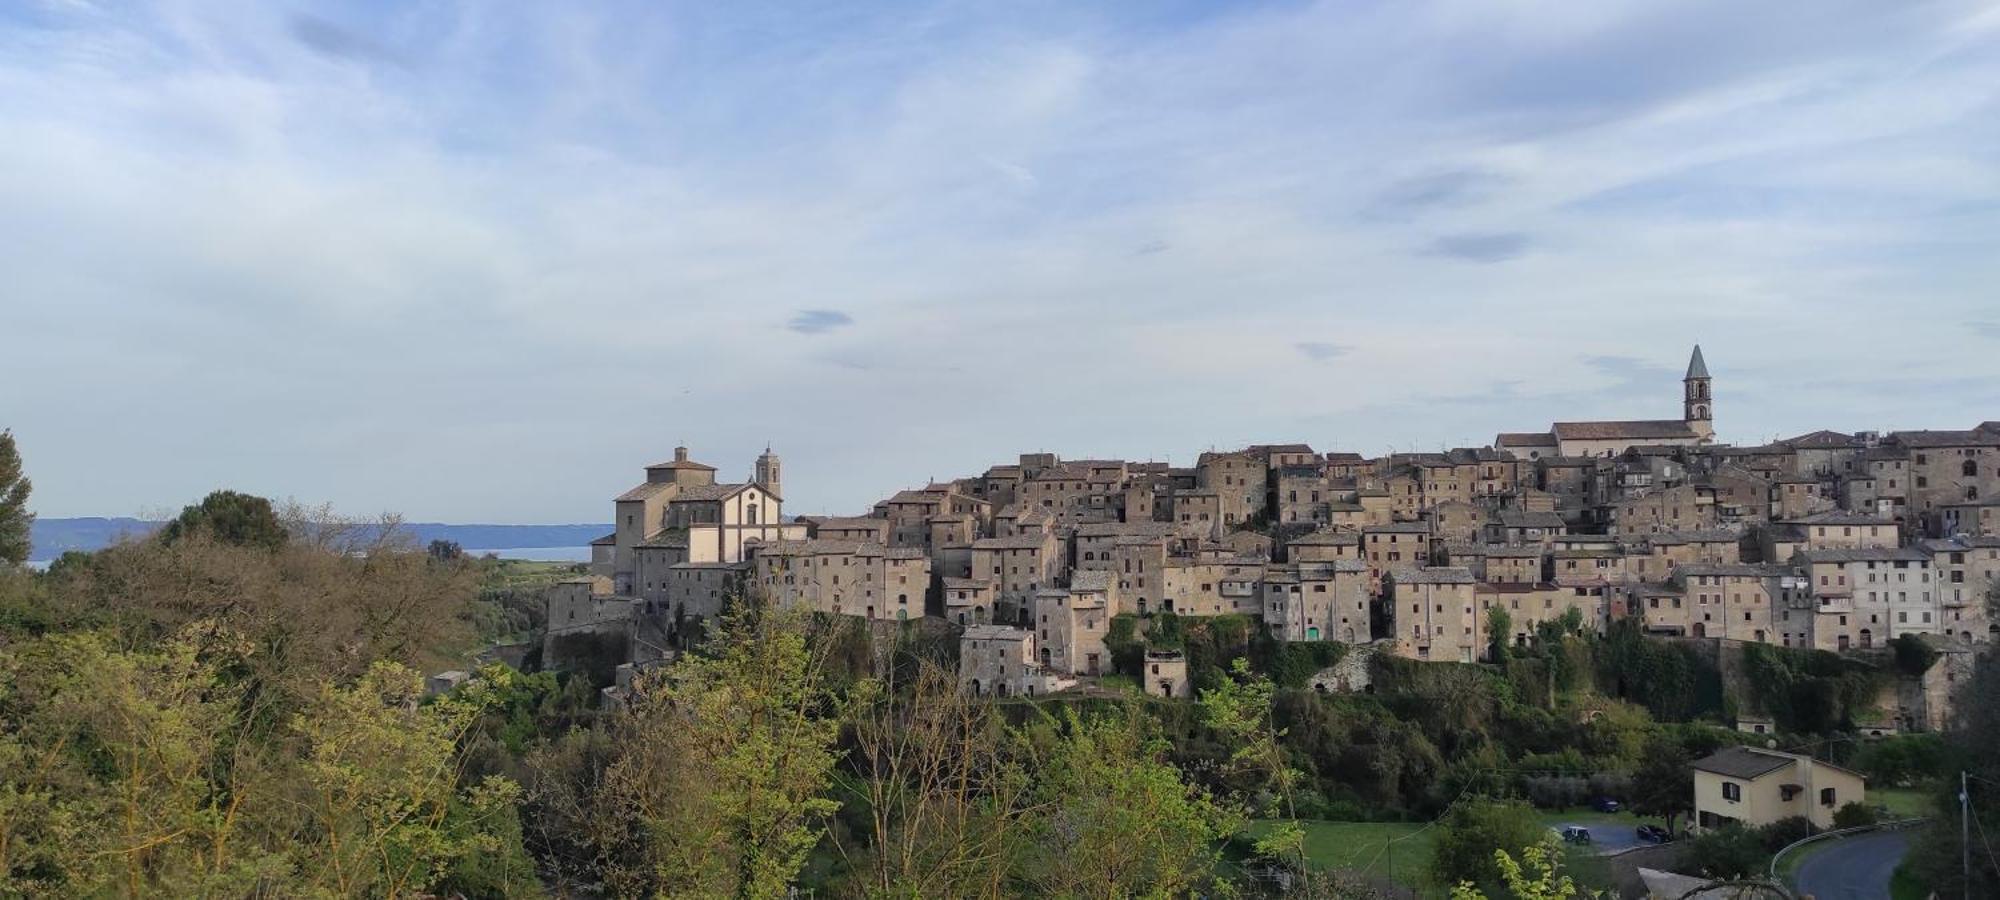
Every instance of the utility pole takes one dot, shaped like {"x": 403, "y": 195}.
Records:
{"x": 1965, "y": 833}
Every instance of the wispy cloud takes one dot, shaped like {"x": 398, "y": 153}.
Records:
{"x": 1320, "y": 351}
{"x": 1479, "y": 248}
{"x": 819, "y": 321}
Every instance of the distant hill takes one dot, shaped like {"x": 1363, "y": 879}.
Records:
{"x": 54, "y": 537}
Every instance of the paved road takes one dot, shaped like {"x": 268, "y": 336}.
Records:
{"x": 1606, "y": 838}
{"x": 1856, "y": 868}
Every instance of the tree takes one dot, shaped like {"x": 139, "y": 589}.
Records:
{"x": 1537, "y": 875}
{"x": 1470, "y": 833}
{"x": 1663, "y": 785}
{"x": 1914, "y": 655}
{"x": 445, "y": 551}
{"x": 1499, "y": 630}
{"x": 16, "y": 522}
{"x": 241, "y": 520}
{"x": 388, "y": 814}
{"x": 1111, "y": 818}
{"x": 728, "y": 755}
{"x": 1940, "y": 857}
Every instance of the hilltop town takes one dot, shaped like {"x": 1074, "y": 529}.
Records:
{"x": 1829, "y": 540}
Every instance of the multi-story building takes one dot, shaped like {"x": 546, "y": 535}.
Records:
{"x": 1434, "y": 615}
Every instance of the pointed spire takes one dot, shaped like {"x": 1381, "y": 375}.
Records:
{"x": 1696, "y": 367}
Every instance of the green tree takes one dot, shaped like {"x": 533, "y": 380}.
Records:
{"x": 1111, "y": 818}
{"x": 727, "y": 759}
{"x": 242, "y": 520}
{"x": 16, "y": 522}
{"x": 1663, "y": 785}
{"x": 387, "y": 810}
{"x": 1914, "y": 655}
{"x": 1472, "y": 831}
{"x": 1537, "y": 875}
{"x": 1499, "y": 632}
{"x": 445, "y": 551}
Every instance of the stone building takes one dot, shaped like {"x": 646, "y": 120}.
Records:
{"x": 1434, "y": 614}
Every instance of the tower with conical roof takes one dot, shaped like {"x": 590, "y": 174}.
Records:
{"x": 1697, "y": 405}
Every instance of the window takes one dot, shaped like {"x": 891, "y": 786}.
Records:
{"x": 1732, "y": 792}
{"x": 1826, "y": 796}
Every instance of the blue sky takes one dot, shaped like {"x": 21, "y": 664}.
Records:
{"x": 481, "y": 262}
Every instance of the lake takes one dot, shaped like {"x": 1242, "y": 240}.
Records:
{"x": 537, "y": 554}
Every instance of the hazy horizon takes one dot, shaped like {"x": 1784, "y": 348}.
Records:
{"x": 481, "y": 265}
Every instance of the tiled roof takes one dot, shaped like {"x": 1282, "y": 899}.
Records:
{"x": 1637, "y": 429}
{"x": 1525, "y": 439}
{"x": 1840, "y": 517}
{"x": 646, "y": 491}
{"x": 1434, "y": 575}
{"x": 1945, "y": 438}
{"x": 1520, "y": 518}
{"x": 996, "y": 633}
{"x": 1091, "y": 580}
{"x": 1017, "y": 542}
{"x": 707, "y": 493}
{"x": 1865, "y": 554}
{"x": 1743, "y": 763}
{"x": 1820, "y": 440}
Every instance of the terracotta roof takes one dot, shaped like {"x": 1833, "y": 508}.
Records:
{"x": 1606, "y": 431}
{"x": 646, "y": 491}
{"x": 707, "y": 493}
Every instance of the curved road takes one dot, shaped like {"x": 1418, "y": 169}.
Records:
{"x": 1856, "y": 868}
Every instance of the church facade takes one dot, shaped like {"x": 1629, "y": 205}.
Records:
{"x": 1695, "y": 427}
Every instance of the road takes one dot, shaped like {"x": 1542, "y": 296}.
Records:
{"x": 1856, "y": 868}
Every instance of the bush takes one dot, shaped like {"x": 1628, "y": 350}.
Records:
{"x": 1470, "y": 833}
{"x": 1854, "y": 815}
{"x": 1731, "y": 851}
{"x": 1786, "y": 832}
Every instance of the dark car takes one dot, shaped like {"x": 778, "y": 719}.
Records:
{"x": 1606, "y": 805}
{"x": 1653, "y": 834}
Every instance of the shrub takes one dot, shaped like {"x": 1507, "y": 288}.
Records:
{"x": 1785, "y": 832}
{"x": 1854, "y": 815}
{"x": 1731, "y": 851}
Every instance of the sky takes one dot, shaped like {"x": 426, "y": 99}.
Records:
{"x": 482, "y": 262}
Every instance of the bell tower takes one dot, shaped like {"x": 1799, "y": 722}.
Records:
{"x": 1697, "y": 405}
{"x": 767, "y": 476}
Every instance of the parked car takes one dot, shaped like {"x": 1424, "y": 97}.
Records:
{"x": 1606, "y": 805}
{"x": 1654, "y": 834}
{"x": 1576, "y": 834}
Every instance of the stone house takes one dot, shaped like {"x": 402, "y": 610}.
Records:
{"x": 1434, "y": 614}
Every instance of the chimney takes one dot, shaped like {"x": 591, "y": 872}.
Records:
{"x": 680, "y": 454}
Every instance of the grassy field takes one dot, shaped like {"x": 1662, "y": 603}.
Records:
{"x": 1905, "y": 803}
{"x": 1370, "y": 848}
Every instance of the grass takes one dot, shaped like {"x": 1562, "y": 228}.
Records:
{"x": 1904, "y": 886}
{"x": 1366, "y": 848}
{"x": 1905, "y": 803}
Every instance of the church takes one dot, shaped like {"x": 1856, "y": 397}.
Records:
{"x": 1696, "y": 426}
